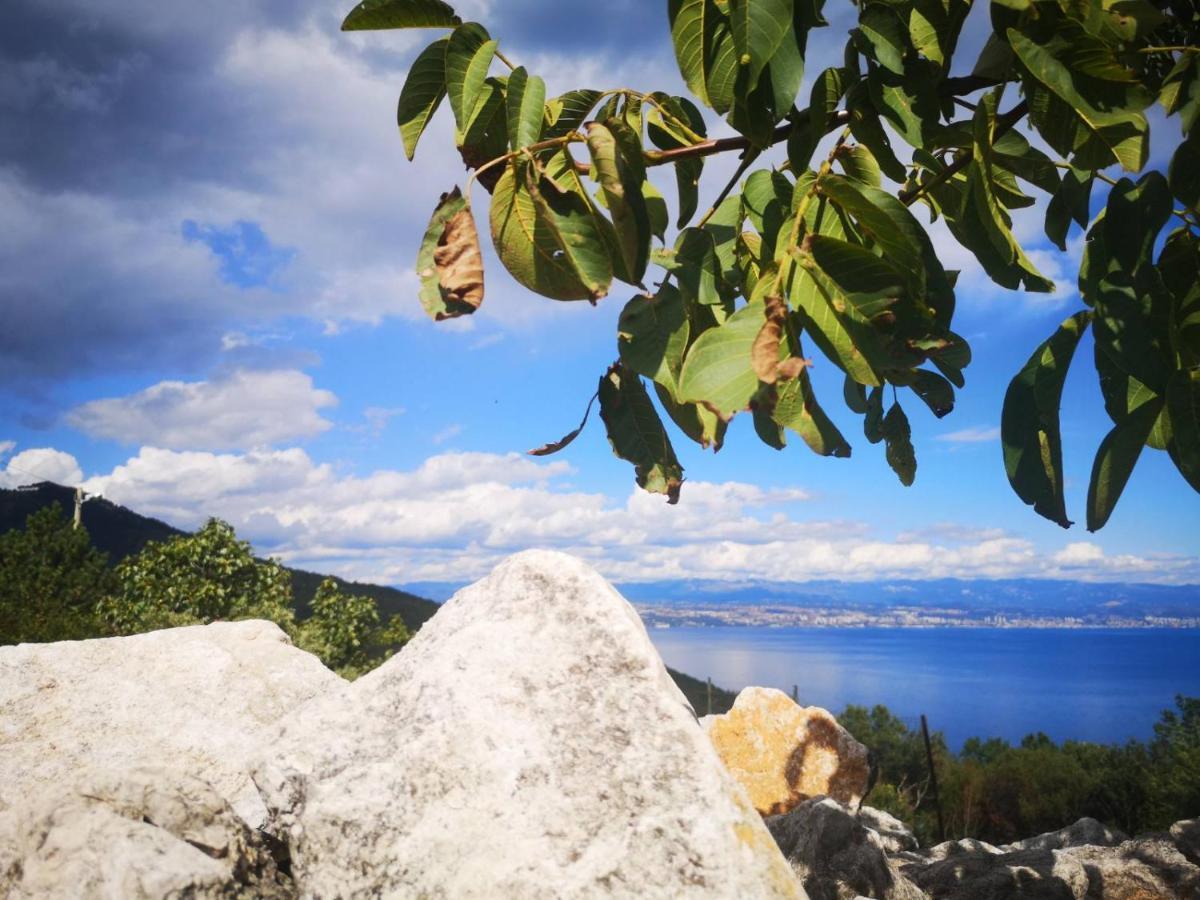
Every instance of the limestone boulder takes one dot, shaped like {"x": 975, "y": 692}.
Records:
{"x": 201, "y": 701}
{"x": 1084, "y": 832}
{"x": 1186, "y": 835}
{"x": 835, "y": 856}
{"x": 784, "y": 754}
{"x": 1149, "y": 866}
{"x": 527, "y": 743}
{"x": 141, "y": 833}
{"x": 1019, "y": 875}
{"x": 894, "y": 835}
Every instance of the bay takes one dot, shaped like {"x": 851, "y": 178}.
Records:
{"x": 1101, "y": 685}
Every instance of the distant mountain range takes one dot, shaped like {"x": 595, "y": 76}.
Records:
{"x": 1010, "y": 597}
{"x": 121, "y": 532}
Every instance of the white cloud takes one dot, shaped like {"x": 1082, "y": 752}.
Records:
{"x": 449, "y": 433}
{"x": 976, "y": 434}
{"x": 457, "y": 514}
{"x": 40, "y": 464}
{"x": 1080, "y": 553}
{"x": 236, "y": 411}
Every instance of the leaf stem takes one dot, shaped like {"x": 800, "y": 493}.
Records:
{"x": 572, "y": 138}
{"x": 747, "y": 161}
{"x": 504, "y": 59}
{"x": 1004, "y": 123}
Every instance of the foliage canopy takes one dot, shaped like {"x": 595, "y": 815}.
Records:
{"x": 824, "y": 250}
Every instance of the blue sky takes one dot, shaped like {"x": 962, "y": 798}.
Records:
{"x": 207, "y": 237}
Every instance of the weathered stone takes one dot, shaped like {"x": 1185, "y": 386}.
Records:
{"x": 200, "y": 701}
{"x": 1020, "y": 875}
{"x": 141, "y": 833}
{"x": 894, "y": 835}
{"x": 783, "y": 754}
{"x": 1186, "y": 835}
{"x": 528, "y": 743}
{"x": 835, "y": 856}
{"x": 1085, "y": 832}
{"x": 961, "y": 847}
{"x": 1145, "y": 868}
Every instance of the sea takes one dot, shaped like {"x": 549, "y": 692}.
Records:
{"x": 1101, "y": 685}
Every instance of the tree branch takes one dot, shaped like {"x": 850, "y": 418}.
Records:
{"x": 1004, "y": 123}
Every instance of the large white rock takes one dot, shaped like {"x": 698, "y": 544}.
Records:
{"x": 202, "y": 701}
{"x": 528, "y": 743}
{"x": 142, "y": 834}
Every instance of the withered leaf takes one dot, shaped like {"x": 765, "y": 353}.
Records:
{"x": 764, "y": 354}
{"x": 449, "y": 263}
{"x": 555, "y": 446}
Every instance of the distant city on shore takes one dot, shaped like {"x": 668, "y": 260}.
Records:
{"x": 939, "y": 603}
{"x": 897, "y": 617}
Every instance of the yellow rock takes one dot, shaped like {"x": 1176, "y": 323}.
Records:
{"x": 782, "y": 753}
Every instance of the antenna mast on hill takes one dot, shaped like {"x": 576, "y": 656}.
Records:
{"x": 78, "y": 508}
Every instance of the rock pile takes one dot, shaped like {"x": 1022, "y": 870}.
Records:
{"x": 528, "y": 743}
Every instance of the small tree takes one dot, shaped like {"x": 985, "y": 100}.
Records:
{"x": 51, "y": 580}
{"x": 340, "y": 629}
{"x": 197, "y": 578}
{"x": 821, "y": 248}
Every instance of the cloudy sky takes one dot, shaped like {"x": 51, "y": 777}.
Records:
{"x": 208, "y": 308}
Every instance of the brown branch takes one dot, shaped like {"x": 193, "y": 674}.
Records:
{"x": 723, "y": 145}
{"x": 1004, "y": 123}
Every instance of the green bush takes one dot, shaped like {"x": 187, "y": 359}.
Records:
{"x": 51, "y": 578}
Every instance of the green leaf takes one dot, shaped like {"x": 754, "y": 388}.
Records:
{"x": 717, "y": 370}
{"x": 636, "y": 433}
{"x": 866, "y": 128}
{"x": 1115, "y": 459}
{"x": 486, "y": 135}
{"x": 378, "y": 14}
{"x": 887, "y": 221}
{"x": 526, "y": 103}
{"x": 1183, "y": 406}
{"x": 1070, "y": 203}
{"x": 652, "y": 335}
{"x": 882, "y": 36}
{"x": 696, "y": 266}
{"x": 873, "y": 420}
{"x": 449, "y": 262}
{"x": 1074, "y": 125}
{"x": 767, "y": 199}
{"x": 935, "y": 390}
{"x": 870, "y": 283}
{"x": 705, "y": 50}
{"x": 568, "y": 111}
{"x": 899, "y": 449}
{"x": 695, "y": 420}
{"x": 422, "y": 94}
{"x": 827, "y": 91}
{"x": 834, "y": 331}
{"x": 859, "y": 165}
{"x": 1029, "y": 425}
{"x": 675, "y": 122}
{"x": 469, "y": 55}
{"x": 531, "y": 223}
{"x": 617, "y": 164}
{"x": 759, "y": 27}
{"x": 1184, "y": 173}
{"x": 796, "y": 407}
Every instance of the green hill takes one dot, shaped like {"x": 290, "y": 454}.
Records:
{"x": 121, "y": 532}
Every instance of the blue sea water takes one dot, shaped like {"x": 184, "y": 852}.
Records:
{"x": 1094, "y": 685}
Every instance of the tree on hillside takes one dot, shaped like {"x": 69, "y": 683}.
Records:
{"x": 196, "y": 578}
{"x": 823, "y": 251}
{"x": 345, "y": 632}
{"x": 51, "y": 578}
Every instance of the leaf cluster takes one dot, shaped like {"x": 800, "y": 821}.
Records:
{"x": 821, "y": 252}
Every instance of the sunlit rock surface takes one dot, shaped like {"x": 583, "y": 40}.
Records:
{"x": 528, "y": 743}
{"x": 201, "y": 701}
{"x": 783, "y": 754}
{"x": 133, "y": 834}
